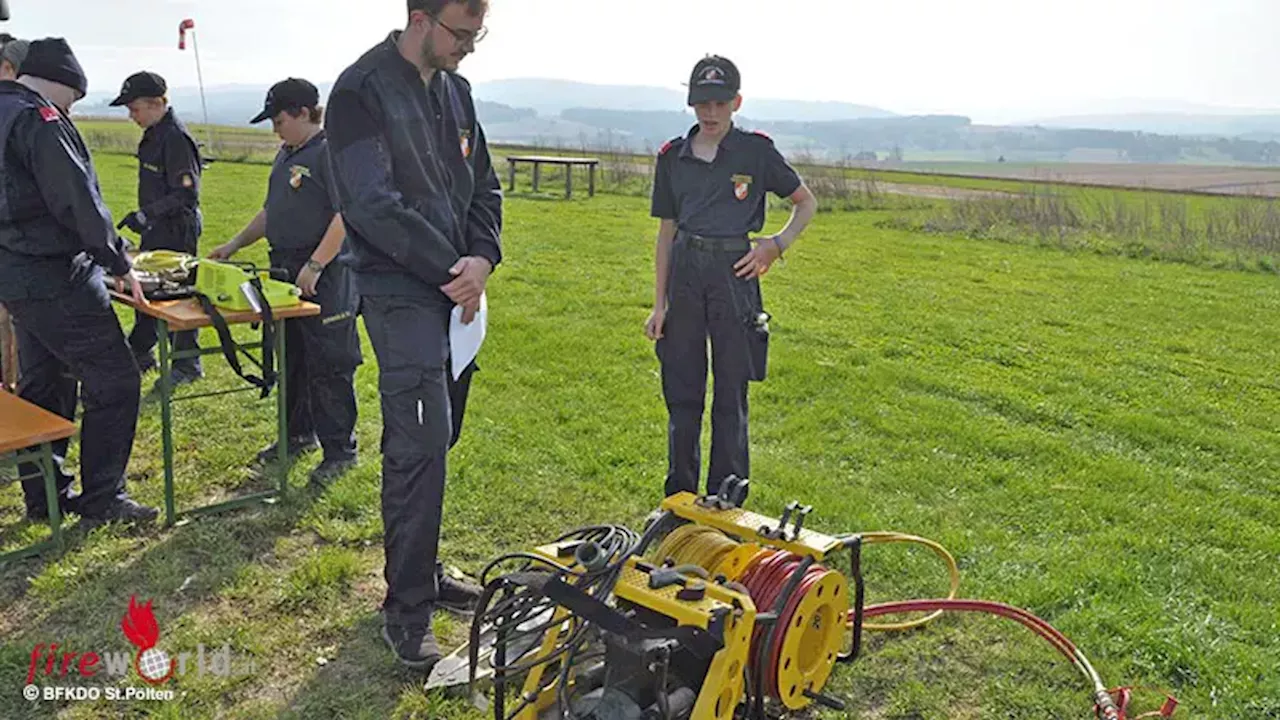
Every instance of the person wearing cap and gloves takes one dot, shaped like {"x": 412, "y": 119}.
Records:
{"x": 710, "y": 190}
{"x": 423, "y": 210}
{"x": 168, "y": 215}
{"x": 56, "y": 240}
{"x": 307, "y": 238}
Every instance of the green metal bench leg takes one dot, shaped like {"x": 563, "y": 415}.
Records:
{"x": 43, "y": 458}
{"x": 166, "y": 421}
{"x": 51, "y": 494}
{"x": 282, "y": 407}
{"x": 167, "y": 356}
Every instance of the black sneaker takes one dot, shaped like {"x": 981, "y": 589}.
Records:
{"x": 178, "y": 378}
{"x": 414, "y": 647}
{"x": 146, "y": 363}
{"x": 298, "y": 446}
{"x": 329, "y": 470}
{"x": 121, "y": 511}
{"x": 458, "y": 596}
{"x": 66, "y": 504}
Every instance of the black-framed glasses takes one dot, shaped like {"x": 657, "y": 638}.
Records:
{"x": 464, "y": 36}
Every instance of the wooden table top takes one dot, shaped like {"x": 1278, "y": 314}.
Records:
{"x": 23, "y": 425}
{"x": 188, "y": 315}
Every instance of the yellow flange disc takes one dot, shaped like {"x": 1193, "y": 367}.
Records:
{"x": 736, "y": 563}
{"x": 813, "y": 639}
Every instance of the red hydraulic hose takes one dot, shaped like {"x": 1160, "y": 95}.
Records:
{"x": 1107, "y": 708}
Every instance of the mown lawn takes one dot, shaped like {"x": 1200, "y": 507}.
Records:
{"x": 1092, "y": 437}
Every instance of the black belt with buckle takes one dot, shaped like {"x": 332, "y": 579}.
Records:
{"x": 707, "y": 242}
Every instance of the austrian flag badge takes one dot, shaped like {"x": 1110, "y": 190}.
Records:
{"x": 741, "y": 186}
{"x": 464, "y": 141}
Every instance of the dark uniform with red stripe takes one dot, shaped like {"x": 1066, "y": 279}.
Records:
{"x": 716, "y": 206}
{"x": 56, "y": 238}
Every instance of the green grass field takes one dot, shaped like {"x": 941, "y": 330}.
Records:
{"x": 1092, "y": 436}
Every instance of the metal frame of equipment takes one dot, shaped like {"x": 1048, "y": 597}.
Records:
{"x": 714, "y": 612}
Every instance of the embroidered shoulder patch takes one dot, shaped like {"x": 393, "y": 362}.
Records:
{"x": 48, "y": 114}
{"x": 762, "y": 134}
{"x": 296, "y": 173}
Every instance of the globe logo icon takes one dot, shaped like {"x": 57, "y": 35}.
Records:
{"x": 139, "y": 625}
{"x": 154, "y": 664}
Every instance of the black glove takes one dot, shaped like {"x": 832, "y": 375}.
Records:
{"x": 136, "y": 221}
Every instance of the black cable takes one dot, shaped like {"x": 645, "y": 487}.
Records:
{"x": 524, "y": 601}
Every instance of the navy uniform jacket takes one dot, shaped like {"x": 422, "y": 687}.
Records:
{"x": 54, "y": 225}
{"x": 412, "y": 174}
{"x": 169, "y": 186}
{"x": 726, "y": 197}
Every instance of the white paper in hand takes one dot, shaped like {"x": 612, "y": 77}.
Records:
{"x": 465, "y": 340}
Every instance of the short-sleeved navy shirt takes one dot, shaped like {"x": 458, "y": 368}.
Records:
{"x": 299, "y": 203}
{"x": 725, "y": 197}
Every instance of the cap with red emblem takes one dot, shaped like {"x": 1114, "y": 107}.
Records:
{"x": 714, "y": 78}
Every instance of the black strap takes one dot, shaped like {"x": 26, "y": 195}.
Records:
{"x": 589, "y": 608}
{"x": 230, "y": 347}
{"x": 268, "y": 338}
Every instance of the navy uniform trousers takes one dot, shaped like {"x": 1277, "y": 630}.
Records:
{"x": 321, "y": 357}
{"x": 73, "y": 346}
{"x": 422, "y": 411}
{"x": 706, "y": 300}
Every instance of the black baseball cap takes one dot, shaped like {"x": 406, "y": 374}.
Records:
{"x": 714, "y": 78}
{"x": 141, "y": 85}
{"x": 291, "y": 94}
{"x": 52, "y": 60}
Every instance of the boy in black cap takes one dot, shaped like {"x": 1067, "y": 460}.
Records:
{"x": 168, "y": 215}
{"x": 56, "y": 239}
{"x": 300, "y": 221}
{"x": 710, "y": 190}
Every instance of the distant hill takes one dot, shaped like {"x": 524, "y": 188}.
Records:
{"x": 593, "y": 118}
{"x": 1259, "y": 126}
{"x": 552, "y": 97}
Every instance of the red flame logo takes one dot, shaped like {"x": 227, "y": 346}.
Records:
{"x": 140, "y": 627}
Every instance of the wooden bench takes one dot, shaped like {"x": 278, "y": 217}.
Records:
{"x": 567, "y": 162}
{"x": 28, "y": 433}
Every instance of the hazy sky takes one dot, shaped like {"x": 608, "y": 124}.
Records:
{"x": 994, "y": 60}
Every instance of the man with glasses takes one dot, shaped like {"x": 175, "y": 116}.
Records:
{"x": 423, "y": 210}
